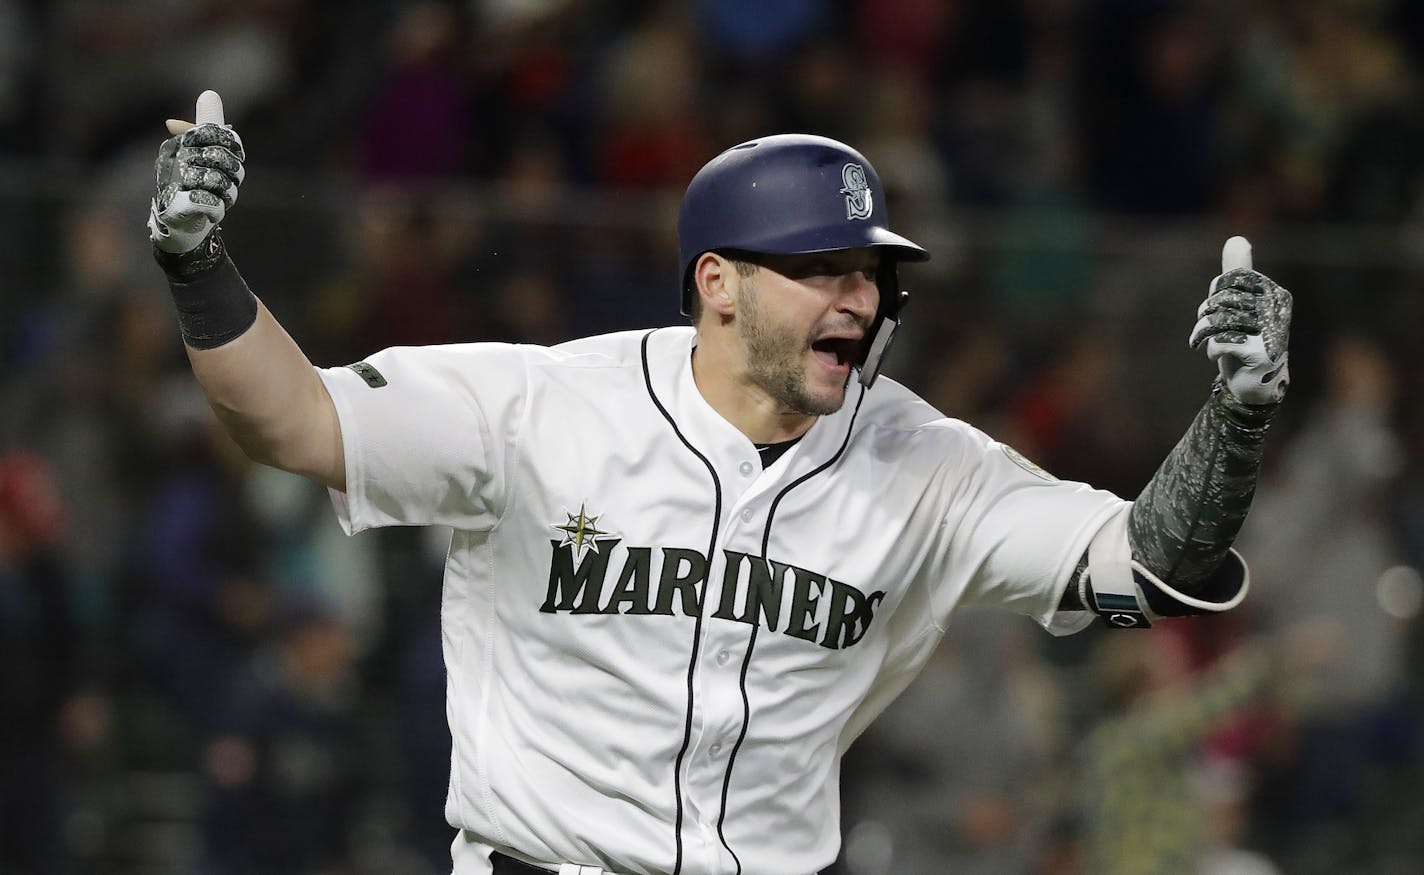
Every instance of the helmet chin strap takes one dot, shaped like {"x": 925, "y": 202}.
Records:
{"x": 879, "y": 348}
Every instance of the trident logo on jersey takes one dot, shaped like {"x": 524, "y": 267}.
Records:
{"x": 857, "y": 191}
{"x": 580, "y": 532}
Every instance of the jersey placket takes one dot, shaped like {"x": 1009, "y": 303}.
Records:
{"x": 719, "y": 713}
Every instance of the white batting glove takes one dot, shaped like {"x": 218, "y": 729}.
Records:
{"x": 198, "y": 171}
{"x": 1245, "y": 323}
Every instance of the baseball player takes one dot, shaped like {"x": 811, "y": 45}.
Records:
{"x": 691, "y": 564}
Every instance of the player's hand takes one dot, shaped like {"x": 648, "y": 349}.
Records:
{"x": 1245, "y": 324}
{"x": 198, "y": 171}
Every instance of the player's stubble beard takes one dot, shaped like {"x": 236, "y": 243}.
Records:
{"x": 776, "y": 359}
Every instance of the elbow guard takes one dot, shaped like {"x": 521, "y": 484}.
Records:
{"x": 1127, "y": 595}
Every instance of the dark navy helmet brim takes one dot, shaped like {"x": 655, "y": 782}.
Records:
{"x": 836, "y": 239}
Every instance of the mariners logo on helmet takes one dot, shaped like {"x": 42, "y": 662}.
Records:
{"x": 857, "y": 192}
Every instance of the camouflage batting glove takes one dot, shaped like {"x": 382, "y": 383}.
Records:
{"x": 198, "y": 172}
{"x": 1245, "y": 324}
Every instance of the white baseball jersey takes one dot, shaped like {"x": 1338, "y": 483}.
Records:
{"x": 657, "y": 650}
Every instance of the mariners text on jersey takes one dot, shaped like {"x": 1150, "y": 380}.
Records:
{"x": 774, "y": 595}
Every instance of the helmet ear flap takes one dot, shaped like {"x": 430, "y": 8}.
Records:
{"x": 887, "y": 280}
{"x": 887, "y": 320}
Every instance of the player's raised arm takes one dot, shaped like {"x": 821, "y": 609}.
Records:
{"x": 256, "y": 378}
{"x": 1170, "y": 554}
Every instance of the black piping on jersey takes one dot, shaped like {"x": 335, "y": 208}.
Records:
{"x": 697, "y": 625}
{"x": 751, "y": 640}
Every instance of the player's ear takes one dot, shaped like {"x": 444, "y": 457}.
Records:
{"x": 716, "y": 279}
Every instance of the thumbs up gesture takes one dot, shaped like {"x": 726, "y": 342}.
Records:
{"x": 198, "y": 171}
{"x": 1245, "y": 324}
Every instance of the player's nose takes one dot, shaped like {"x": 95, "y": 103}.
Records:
{"x": 859, "y": 296}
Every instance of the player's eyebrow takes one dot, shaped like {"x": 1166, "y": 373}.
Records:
{"x": 837, "y": 262}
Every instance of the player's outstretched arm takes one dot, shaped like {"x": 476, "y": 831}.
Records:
{"x": 1181, "y": 527}
{"x": 258, "y": 381}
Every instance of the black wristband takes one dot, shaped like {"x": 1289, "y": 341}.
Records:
{"x": 214, "y": 306}
{"x": 184, "y": 266}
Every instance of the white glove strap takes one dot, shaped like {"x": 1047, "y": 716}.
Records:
{"x": 1113, "y": 594}
{"x": 1111, "y": 585}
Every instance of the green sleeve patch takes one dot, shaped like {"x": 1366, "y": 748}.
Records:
{"x": 372, "y": 376}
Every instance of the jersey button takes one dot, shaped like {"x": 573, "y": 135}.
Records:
{"x": 746, "y": 469}
{"x": 724, "y": 657}
{"x": 715, "y": 749}
{"x": 747, "y": 515}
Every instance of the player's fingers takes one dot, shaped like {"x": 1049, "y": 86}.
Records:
{"x": 214, "y": 135}
{"x": 1236, "y": 254}
{"x": 215, "y": 157}
{"x": 205, "y": 198}
{"x": 1214, "y": 324}
{"x": 191, "y": 209}
{"x": 1241, "y": 279}
{"x": 1231, "y": 338}
{"x": 205, "y": 179}
{"x": 1248, "y": 355}
{"x": 209, "y": 110}
{"x": 1250, "y": 281}
{"x": 1231, "y": 299}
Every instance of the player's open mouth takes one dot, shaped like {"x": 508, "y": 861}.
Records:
{"x": 836, "y": 353}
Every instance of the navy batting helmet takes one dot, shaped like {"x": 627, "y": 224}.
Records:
{"x": 792, "y": 194}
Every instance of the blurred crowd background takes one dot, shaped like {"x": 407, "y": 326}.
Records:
{"x": 200, "y": 674}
